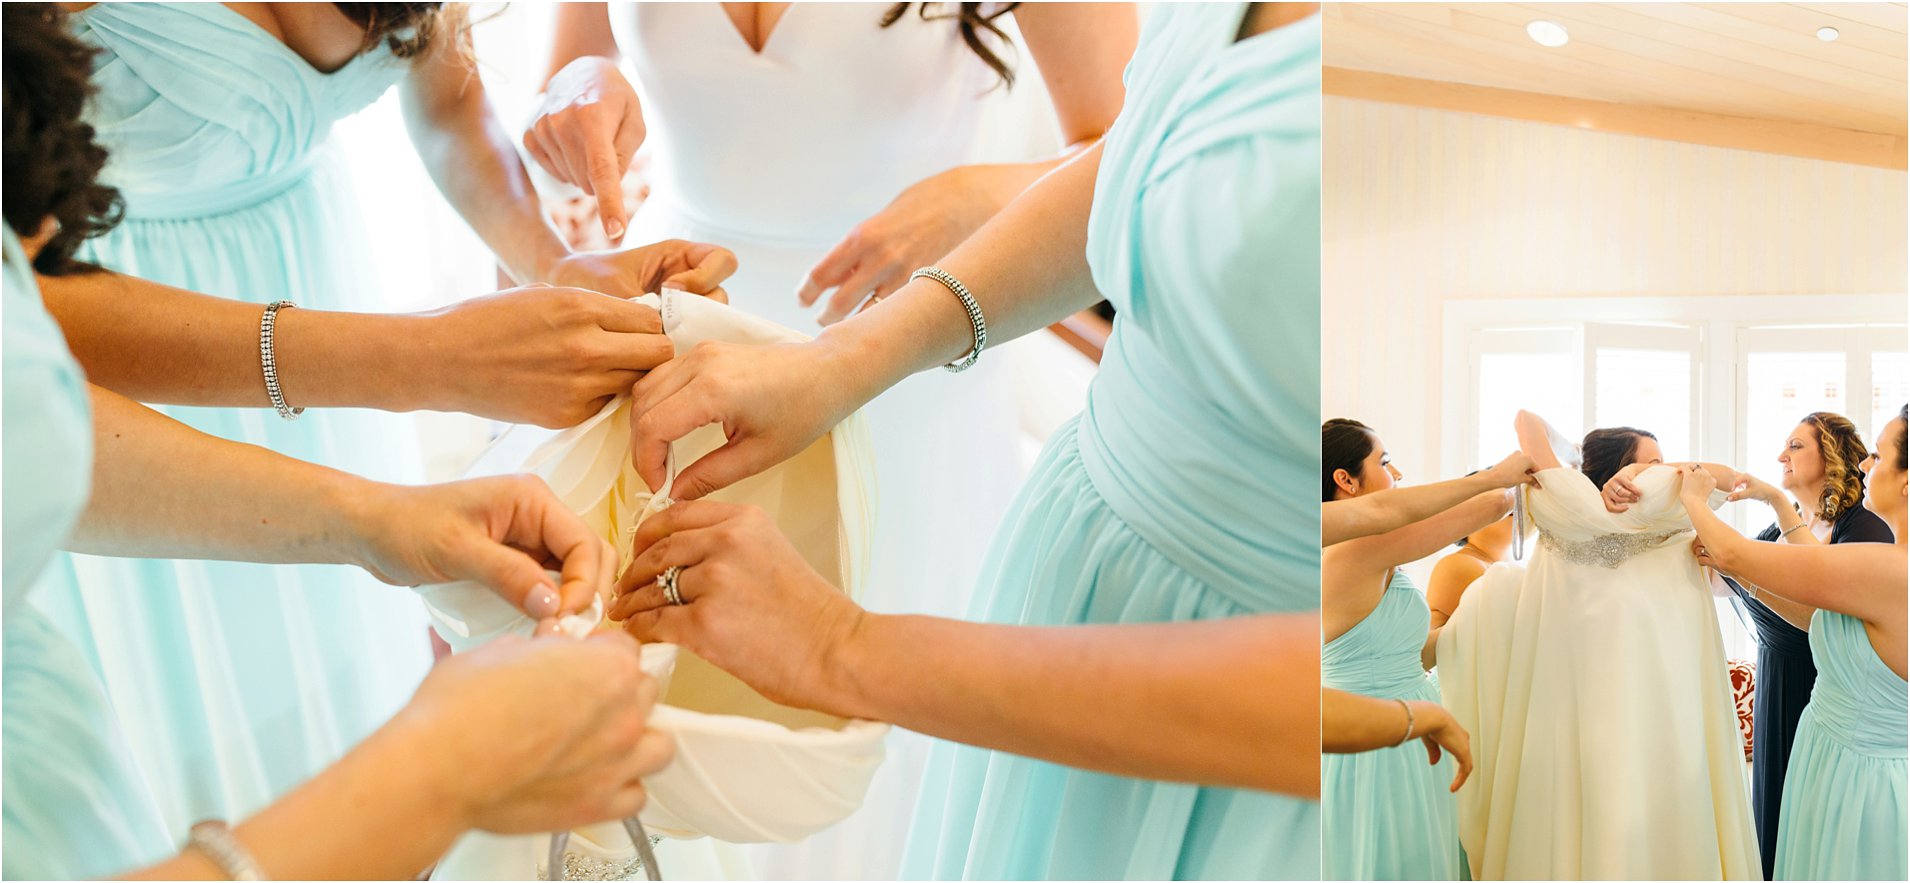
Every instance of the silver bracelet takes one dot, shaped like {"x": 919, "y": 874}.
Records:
{"x": 269, "y": 362}
{"x": 975, "y": 323}
{"x": 215, "y": 841}
{"x": 1409, "y": 722}
{"x": 1787, "y": 533}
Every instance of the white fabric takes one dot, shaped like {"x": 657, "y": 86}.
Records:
{"x": 777, "y": 156}
{"x": 1593, "y": 682}
{"x": 747, "y": 770}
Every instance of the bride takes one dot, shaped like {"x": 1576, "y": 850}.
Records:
{"x": 1593, "y": 680}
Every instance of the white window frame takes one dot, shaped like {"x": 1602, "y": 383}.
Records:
{"x": 1721, "y": 324}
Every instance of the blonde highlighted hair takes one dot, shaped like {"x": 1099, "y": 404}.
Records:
{"x": 1843, "y": 452}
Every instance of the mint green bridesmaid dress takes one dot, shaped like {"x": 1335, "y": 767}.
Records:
{"x": 1184, "y": 490}
{"x": 73, "y": 803}
{"x": 1846, "y": 811}
{"x": 237, "y": 681}
{"x": 1388, "y": 813}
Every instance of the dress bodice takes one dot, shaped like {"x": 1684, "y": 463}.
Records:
{"x": 1857, "y": 701}
{"x": 1380, "y": 655}
{"x": 839, "y": 113}
{"x": 1574, "y": 525}
{"x": 48, "y": 452}
{"x": 1205, "y": 235}
{"x": 204, "y": 111}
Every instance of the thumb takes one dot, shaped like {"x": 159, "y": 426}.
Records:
{"x": 512, "y": 575}
{"x": 712, "y": 267}
{"x": 720, "y": 468}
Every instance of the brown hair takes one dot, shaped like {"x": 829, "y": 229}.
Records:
{"x": 52, "y": 162}
{"x": 972, "y": 22}
{"x": 1605, "y": 451}
{"x": 1843, "y": 452}
{"x": 1345, "y": 443}
{"x": 408, "y": 28}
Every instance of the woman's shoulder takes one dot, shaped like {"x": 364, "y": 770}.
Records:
{"x": 1860, "y": 525}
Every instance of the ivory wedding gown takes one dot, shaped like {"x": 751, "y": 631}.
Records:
{"x": 776, "y": 155}
{"x": 746, "y": 770}
{"x": 1592, "y": 679}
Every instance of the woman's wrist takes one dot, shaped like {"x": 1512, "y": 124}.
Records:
{"x": 850, "y": 669}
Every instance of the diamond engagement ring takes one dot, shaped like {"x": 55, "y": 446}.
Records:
{"x": 666, "y": 581}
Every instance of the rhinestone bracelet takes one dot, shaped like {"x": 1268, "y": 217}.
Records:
{"x": 212, "y": 839}
{"x": 974, "y": 310}
{"x": 269, "y": 362}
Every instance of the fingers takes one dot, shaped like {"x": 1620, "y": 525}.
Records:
{"x": 534, "y": 145}
{"x": 513, "y": 575}
{"x": 830, "y": 271}
{"x": 627, "y": 316}
{"x": 652, "y": 432}
{"x": 666, "y": 624}
{"x": 709, "y": 266}
{"x": 851, "y": 292}
{"x": 687, "y": 515}
{"x": 1462, "y": 754}
{"x": 639, "y": 589}
{"x": 542, "y": 523}
{"x": 739, "y": 459}
{"x": 606, "y": 169}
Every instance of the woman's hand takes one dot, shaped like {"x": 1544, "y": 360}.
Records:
{"x": 772, "y": 401}
{"x": 1619, "y": 493}
{"x": 1516, "y": 469}
{"x": 544, "y": 734}
{"x": 1435, "y": 726}
{"x": 503, "y": 533}
{"x": 921, "y": 225}
{"x": 751, "y": 605}
{"x": 1695, "y": 484}
{"x": 542, "y": 355}
{"x": 1751, "y": 487}
{"x": 695, "y": 267}
{"x": 588, "y": 127}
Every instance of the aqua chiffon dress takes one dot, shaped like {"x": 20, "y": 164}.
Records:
{"x": 73, "y": 803}
{"x": 1846, "y": 810}
{"x": 235, "y": 682}
{"x": 1388, "y": 814}
{"x": 1183, "y": 491}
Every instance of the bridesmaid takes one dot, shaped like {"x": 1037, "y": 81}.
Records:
{"x": 1388, "y": 814}
{"x": 1181, "y": 491}
{"x": 216, "y": 117}
{"x": 1846, "y": 809}
{"x": 1477, "y": 551}
{"x": 1821, "y": 460}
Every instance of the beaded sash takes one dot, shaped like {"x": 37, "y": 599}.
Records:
{"x": 1606, "y": 550}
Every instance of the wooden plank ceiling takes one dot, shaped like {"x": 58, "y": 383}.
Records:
{"x": 1751, "y": 61}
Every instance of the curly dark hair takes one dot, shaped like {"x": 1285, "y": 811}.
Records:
{"x": 1842, "y": 450}
{"x": 52, "y": 162}
{"x": 1605, "y": 451}
{"x": 972, "y": 22}
{"x": 1344, "y": 444}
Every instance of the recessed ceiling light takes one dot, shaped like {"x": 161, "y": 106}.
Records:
{"x": 1547, "y": 33}
{"x": 1827, "y": 34}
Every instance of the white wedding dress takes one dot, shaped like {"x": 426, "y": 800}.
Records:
{"x": 1592, "y": 679}
{"x": 746, "y": 770}
{"x": 776, "y": 156}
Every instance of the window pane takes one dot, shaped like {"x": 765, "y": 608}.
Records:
{"x": 1780, "y": 388}
{"x": 1889, "y": 387}
{"x": 1650, "y": 390}
{"x": 1543, "y": 383}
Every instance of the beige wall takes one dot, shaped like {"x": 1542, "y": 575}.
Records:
{"x": 1426, "y": 206}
